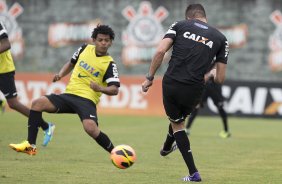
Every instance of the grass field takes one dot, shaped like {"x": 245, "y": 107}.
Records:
{"x": 252, "y": 155}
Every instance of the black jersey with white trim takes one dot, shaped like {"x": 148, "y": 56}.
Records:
{"x": 195, "y": 45}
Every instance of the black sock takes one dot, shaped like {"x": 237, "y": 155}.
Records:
{"x": 104, "y": 141}
{"x": 44, "y": 125}
{"x": 34, "y": 120}
{"x": 169, "y": 139}
{"x": 191, "y": 118}
{"x": 184, "y": 147}
{"x": 223, "y": 116}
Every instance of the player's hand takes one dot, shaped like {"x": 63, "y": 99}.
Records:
{"x": 56, "y": 78}
{"x": 146, "y": 85}
{"x": 210, "y": 75}
{"x": 95, "y": 86}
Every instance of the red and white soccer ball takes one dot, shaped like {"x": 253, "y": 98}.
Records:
{"x": 123, "y": 156}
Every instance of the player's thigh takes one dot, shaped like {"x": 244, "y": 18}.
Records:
{"x": 43, "y": 104}
{"x": 180, "y": 99}
{"x": 61, "y": 103}
{"x": 85, "y": 108}
{"x": 7, "y": 85}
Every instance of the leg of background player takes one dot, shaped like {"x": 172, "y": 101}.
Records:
{"x": 190, "y": 120}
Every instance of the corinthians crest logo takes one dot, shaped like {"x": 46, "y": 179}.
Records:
{"x": 8, "y": 17}
{"x": 143, "y": 33}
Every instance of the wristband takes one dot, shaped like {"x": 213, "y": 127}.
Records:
{"x": 149, "y": 78}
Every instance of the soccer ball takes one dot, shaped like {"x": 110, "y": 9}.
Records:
{"x": 123, "y": 156}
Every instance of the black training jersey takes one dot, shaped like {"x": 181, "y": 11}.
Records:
{"x": 195, "y": 45}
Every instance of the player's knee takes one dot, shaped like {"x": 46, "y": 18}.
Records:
{"x": 38, "y": 104}
{"x": 12, "y": 104}
{"x": 91, "y": 128}
{"x": 177, "y": 125}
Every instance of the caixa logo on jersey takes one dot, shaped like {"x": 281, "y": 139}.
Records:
{"x": 143, "y": 33}
{"x": 8, "y": 18}
{"x": 275, "y": 42}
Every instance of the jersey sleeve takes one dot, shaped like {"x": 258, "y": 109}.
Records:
{"x": 222, "y": 55}
{"x": 111, "y": 76}
{"x": 75, "y": 55}
{"x": 3, "y": 31}
{"x": 171, "y": 33}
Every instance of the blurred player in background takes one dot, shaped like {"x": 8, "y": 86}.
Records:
{"x": 2, "y": 105}
{"x": 195, "y": 44}
{"x": 8, "y": 87}
{"x": 212, "y": 90}
{"x": 94, "y": 73}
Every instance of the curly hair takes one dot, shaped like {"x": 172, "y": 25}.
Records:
{"x": 103, "y": 29}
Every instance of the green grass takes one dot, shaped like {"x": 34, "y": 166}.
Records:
{"x": 252, "y": 155}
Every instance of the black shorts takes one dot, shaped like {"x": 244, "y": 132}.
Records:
{"x": 213, "y": 90}
{"x": 7, "y": 85}
{"x": 68, "y": 103}
{"x": 180, "y": 99}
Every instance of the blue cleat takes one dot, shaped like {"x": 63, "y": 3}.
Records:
{"x": 193, "y": 178}
{"x": 48, "y": 134}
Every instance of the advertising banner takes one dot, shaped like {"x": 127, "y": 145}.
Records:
{"x": 252, "y": 99}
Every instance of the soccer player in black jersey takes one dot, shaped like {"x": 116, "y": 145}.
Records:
{"x": 195, "y": 43}
{"x": 93, "y": 72}
{"x": 8, "y": 86}
{"x": 212, "y": 90}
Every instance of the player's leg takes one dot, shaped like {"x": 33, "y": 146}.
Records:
{"x": 42, "y": 104}
{"x": 14, "y": 104}
{"x": 8, "y": 88}
{"x": 178, "y": 104}
{"x": 169, "y": 145}
{"x": 225, "y": 133}
{"x": 35, "y": 119}
{"x": 183, "y": 144}
{"x": 217, "y": 98}
{"x": 223, "y": 116}
{"x": 195, "y": 111}
{"x": 87, "y": 112}
{"x": 92, "y": 129}
{"x": 191, "y": 119}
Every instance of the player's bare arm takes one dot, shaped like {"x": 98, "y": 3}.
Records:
{"x": 4, "y": 45}
{"x": 66, "y": 69}
{"x": 111, "y": 90}
{"x": 220, "y": 72}
{"x": 162, "y": 48}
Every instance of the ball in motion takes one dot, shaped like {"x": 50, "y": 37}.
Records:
{"x": 123, "y": 156}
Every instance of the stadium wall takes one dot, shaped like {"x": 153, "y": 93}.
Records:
{"x": 44, "y": 34}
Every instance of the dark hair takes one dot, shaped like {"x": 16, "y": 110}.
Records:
{"x": 103, "y": 29}
{"x": 195, "y": 11}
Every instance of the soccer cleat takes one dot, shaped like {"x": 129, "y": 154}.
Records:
{"x": 165, "y": 153}
{"x": 48, "y": 134}
{"x": 223, "y": 134}
{"x": 3, "y": 106}
{"x": 24, "y": 147}
{"x": 193, "y": 178}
